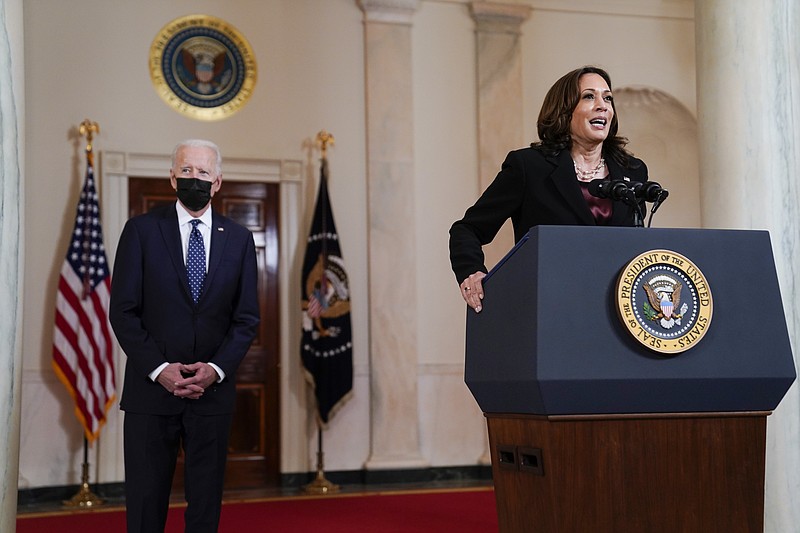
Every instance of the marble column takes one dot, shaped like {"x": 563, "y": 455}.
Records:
{"x": 11, "y": 254}
{"x": 748, "y": 84}
{"x": 394, "y": 442}
{"x": 500, "y": 109}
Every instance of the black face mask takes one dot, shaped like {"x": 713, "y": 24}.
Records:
{"x": 193, "y": 193}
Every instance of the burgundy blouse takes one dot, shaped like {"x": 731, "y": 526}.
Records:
{"x": 600, "y": 207}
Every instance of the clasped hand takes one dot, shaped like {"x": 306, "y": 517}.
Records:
{"x": 187, "y": 381}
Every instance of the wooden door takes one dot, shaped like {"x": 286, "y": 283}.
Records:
{"x": 254, "y": 446}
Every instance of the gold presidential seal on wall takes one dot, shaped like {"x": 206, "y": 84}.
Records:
{"x": 202, "y": 67}
{"x": 664, "y": 301}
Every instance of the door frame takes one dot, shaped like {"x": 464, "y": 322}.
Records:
{"x": 115, "y": 168}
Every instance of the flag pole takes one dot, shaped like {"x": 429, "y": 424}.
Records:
{"x": 321, "y": 485}
{"x": 85, "y": 497}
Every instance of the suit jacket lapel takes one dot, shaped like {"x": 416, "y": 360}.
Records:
{"x": 172, "y": 242}
{"x": 218, "y": 240}
{"x": 566, "y": 182}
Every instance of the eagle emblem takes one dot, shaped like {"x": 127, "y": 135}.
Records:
{"x": 664, "y": 301}
{"x": 328, "y": 293}
{"x": 203, "y": 66}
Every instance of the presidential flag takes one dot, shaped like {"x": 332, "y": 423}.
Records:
{"x": 82, "y": 356}
{"x": 326, "y": 345}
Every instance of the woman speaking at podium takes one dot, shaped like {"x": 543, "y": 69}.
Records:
{"x": 548, "y": 182}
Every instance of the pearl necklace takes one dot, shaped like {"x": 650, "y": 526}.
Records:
{"x": 589, "y": 175}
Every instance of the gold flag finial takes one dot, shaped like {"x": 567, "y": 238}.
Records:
{"x": 88, "y": 129}
{"x": 325, "y": 139}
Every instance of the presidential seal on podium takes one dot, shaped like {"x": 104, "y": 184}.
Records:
{"x": 664, "y": 301}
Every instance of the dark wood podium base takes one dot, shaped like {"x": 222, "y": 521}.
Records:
{"x": 670, "y": 473}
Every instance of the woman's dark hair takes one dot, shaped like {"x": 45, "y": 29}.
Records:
{"x": 555, "y": 117}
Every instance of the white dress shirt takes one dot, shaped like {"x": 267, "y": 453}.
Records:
{"x": 185, "y": 227}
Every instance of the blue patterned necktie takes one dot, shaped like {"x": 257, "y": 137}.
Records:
{"x": 196, "y": 261}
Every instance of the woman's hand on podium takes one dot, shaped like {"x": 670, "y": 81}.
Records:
{"x": 472, "y": 290}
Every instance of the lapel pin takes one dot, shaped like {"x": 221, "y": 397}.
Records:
{"x": 220, "y": 229}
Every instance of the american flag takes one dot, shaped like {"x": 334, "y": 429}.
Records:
{"x": 82, "y": 356}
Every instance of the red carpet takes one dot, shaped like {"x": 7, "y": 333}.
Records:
{"x": 465, "y": 511}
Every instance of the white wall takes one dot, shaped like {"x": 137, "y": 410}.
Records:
{"x": 88, "y": 58}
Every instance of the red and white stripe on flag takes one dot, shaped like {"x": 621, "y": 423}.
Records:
{"x": 314, "y": 307}
{"x": 82, "y": 349}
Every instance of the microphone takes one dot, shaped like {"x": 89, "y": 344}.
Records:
{"x": 650, "y": 191}
{"x": 614, "y": 189}
{"x": 634, "y": 194}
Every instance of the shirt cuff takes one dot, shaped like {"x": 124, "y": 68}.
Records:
{"x": 219, "y": 372}
{"x": 154, "y": 374}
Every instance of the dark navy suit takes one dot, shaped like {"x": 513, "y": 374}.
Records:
{"x": 156, "y": 321}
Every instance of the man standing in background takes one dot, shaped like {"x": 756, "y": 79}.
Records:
{"x": 184, "y": 307}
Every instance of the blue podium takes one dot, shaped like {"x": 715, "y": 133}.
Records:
{"x": 592, "y": 430}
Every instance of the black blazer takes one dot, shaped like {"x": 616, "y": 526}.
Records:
{"x": 156, "y": 321}
{"x": 531, "y": 189}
